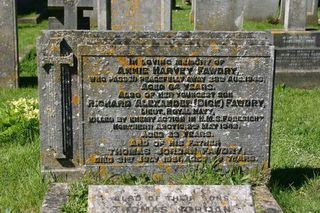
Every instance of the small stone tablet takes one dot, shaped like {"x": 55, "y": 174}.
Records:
{"x": 170, "y": 199}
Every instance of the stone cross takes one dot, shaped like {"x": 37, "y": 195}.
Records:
{"x": 62, "y": 65}
{"x": 71, "y": 10}
{"x": 8, "y": 45}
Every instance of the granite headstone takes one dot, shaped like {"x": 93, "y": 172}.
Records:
{"x": 154, "y": 102}
{"x": 218, "y": 15}
{"x": 295, "y": 15}
{"x": 134, "y": 15}
{"x": 297, "y": 58}
{"x": 8, "y": 45}
{"x": 72, "y": 14}
{"x": 170, "y": 199}
{"x": 257, "y": 10}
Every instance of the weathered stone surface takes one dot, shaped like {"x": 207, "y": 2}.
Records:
{"x": 264, "y": 201}
{"x": 119, "y": 102}
{"x": 257, "y": 10}
{"x": 295, "y": 15}
{"x": 218, "y": 15}
{"x": 73, "y": 13}
{"x": 8, "y": 45}
{"x": 312, "y": 11}
{"x": 170, "y": 199}
{"x": 297, "y": 58}
{"x": 55, "y": 198}
{"x": 135, "y": 15}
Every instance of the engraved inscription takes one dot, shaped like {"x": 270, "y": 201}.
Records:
{"x": 172, "y": 110}
{"x": 179, "y": 199}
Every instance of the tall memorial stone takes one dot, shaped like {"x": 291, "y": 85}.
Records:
{"x": 146, "y": 102}
{"x": 295, "y": 15}
{"x": 8, "y": 45}
{"x": 312, "y": 11}
{"x": 257, "y": 10}
{"x": 135, "y": 15}
{"x": 218, "y": 15}
{"x": 72, "y": 14}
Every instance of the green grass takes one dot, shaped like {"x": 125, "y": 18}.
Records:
{"x": 30, "y": 15}
{"x": 21, "y": 185}
{"x": 260, "y": 26}
{"x": 296, "y": 150}
{"x": 181, "y": 17}
{"x": 27, "y": 34}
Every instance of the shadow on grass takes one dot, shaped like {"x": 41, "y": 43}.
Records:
{"x": 28, "y": 82}
{"x": 293, "y": 177}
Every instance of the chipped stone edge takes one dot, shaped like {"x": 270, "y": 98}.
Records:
{"x": 56, "y": 196}
{"x": 264, "y": 201}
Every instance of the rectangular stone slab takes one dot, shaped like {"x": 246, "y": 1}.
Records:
{"x": 295, "y": 15}
{"x": 120, "y": 102}
{"x": 218, "y": 15}
{"x": 8, "y": 45}
{"x": 170, "y": 199}
{"x": 297, "y": 58}
{"x": 257, "y": 10}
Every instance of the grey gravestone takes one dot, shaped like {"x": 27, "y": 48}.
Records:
{"x": 8, "y": 45}
{"x": 154, "y": 102}
{"x": 218, "y": 15}
{"x": 73, "y": 14}
{"x": 135, "y": 15}
{"x": 257, "y": 10}
{"x": 297, "y": 58}
{"x": 170, "y": 199}
{"x": 295, "y": 15}
{"x": 312, "y": 12}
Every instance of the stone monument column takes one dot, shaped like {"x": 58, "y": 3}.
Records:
{"x": 8, "y": 45}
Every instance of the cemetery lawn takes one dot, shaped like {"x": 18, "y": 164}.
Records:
{"x": 21, "y": 186}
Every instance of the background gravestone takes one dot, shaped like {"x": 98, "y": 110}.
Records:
{"x": 135, "y": 15}
{"x": 72, "y": 11}
{"x": 218, "y": 15}
{"x": 312, "y": 12}
{"x": 295, "y": 15}
{"x": 8, "y": 45}
{"x": 154, "y": 102}
{"x": 257, "y": 10}
{"x": 297, "y": 58}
